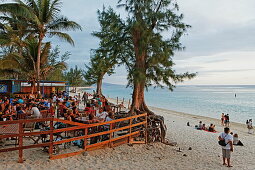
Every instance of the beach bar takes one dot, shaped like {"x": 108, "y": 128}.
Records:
{"x": 24, "y": 87}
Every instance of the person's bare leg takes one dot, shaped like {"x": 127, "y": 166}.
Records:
{"x": 228, "y": 160}
{"x": 224, "y": 161}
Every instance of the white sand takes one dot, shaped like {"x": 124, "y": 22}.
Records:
{"x": 205, "y": 153}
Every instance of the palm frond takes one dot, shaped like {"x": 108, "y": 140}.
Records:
{"x": 62, "y": 23}
{"x": 63, "y": 36}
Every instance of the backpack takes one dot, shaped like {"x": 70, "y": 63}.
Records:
{"x": 222, "y": 142}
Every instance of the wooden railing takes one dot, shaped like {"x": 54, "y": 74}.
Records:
{"x": 111, "y": 142}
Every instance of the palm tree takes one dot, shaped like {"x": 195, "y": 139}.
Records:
{"x": 43, "y": 19}
{"x": 24, "y": 63}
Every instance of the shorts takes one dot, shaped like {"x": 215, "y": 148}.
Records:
{"x": 226, "y": 153}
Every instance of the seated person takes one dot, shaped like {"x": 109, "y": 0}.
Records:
{"x": 203, "y": 127}
{"x": 20, "y": 110}
{"x": 76, "y": 111}
{"x": 102, "y": 113}
{"x": 70, "y": 115}
{"x": 92, "y": 119}
{"x": 35, "y": 111}
{"x": 236, "y": 141}
{"x": 199, "y": 127}
{"x": 108, "y": 118}
{"x": 211, "y": 128}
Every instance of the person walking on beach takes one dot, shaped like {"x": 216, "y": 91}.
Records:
{"x": 249, "y": 126}
{"x": 226, "y": 120}
{"x": 227, "y": 147}
{"x": 222, "y": 119}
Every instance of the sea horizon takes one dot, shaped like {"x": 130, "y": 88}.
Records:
{"x": 201, "y": 100}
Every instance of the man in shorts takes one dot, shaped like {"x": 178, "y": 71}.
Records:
{"x": 226, "y": 150}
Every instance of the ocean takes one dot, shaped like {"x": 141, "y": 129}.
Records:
{"x": 205, "y": 100}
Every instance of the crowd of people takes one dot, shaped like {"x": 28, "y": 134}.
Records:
{"x": 15, "y": 108}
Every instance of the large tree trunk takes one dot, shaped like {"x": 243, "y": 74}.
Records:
{"x": 99, "y": 86}
{"x": 139, "y": 78}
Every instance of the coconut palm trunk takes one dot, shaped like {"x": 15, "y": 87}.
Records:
{"x": 38, "y": 63}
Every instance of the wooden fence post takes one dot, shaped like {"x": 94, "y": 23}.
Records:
{"x": 85, "y": 138}
{"x": 146, "y": 129}
{"x": 128, "y": 103}
{"x": 130, "y": 131}
{"x": 117, "y": 100}
{"x": 20, "y": 142}
{"x": 110, "y": 136}
{"x": 51, "y": 138}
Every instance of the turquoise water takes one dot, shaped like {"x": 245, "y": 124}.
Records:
{"x": 208, "y": 101}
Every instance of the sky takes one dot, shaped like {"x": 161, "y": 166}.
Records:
{"x": 220, "y": 46}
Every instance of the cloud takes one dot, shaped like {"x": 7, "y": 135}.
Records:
{"x": 219, "y": 46}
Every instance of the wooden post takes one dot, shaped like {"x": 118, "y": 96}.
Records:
{"x": 146, "y": 130}
{"x": 130, "y": 131}
{"x": 20, "y": 142}
{"x": 110, "y": 136}
{"x": 123, "y": 100}
{"x": 117, "y": 100}
{"x": 128, "y": 103}
{"x": 51, "y": 138}
{"x": 85, "y": 138}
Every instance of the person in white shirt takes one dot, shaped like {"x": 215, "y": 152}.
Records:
{"x": 102, "y": 114}
{"x": 54, "y": 98}
{"x": 35, "y": 112}
{"x": 108, "y": 118}
{"x": 226, "y": 150}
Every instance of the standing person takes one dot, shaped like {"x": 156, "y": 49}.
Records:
{"x": 85, "y": 98}
{"x": 222, "y": 119}
{"x": 227, "y": 120}
{"x": 228, "y": 148}
{"x": 249, "y": 126}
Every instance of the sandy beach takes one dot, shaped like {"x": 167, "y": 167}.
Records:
{"x": 205, "y": 153}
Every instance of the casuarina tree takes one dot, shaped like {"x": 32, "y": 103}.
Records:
{"x": 149, "y": 38}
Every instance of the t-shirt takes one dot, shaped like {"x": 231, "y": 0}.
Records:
{"x": 102, "y": 115}
{"x": 227, "y": 138}
{"x": 107, "y": 119}
{"x": 235, "y": 140}
{"x": 35, "y": 112}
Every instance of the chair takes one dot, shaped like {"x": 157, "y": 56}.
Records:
{"x": 30, "y": 127}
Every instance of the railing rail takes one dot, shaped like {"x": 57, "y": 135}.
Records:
{"x": 76, "y": 126}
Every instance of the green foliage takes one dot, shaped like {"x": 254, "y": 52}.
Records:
{"x": 36, "y": 18}
{"x": 23, "y": 63}
{"x": 40, "y": 17}
{"x": 140, "y": 45}
{"x": 74, "y": 76}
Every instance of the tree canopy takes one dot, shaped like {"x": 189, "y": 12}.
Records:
{"x": 145, "y": 43}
